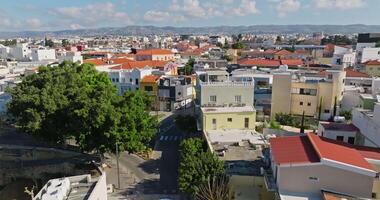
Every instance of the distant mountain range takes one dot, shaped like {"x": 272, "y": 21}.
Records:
{"x": 148, "y": 30}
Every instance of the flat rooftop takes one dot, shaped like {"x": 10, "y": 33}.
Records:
{"x": 227, "y": 109}
{"x": 234, "y": 136}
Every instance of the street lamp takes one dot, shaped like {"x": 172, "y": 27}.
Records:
{"x": 117, "y": 165}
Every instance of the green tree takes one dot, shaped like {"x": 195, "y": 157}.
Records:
{"x": 9, "y": 42}
{"x": 76, "y": 101}
{"x": 65, "y": 43}
{"x": 49, "y": 43}
{"x": 188, "y": 68}
{"x": 377, "y": 44}
{"x": 197, "y": 165}
{"x": 238, "y": 45}
{"x": 347, "y": 114}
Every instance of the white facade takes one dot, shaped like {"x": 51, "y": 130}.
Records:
{"x": 43, "y": 54}
{"x": 4, "y": 51}
{"x": 368, "y": 123}
{"x": 334, "y": 134}
{"x": 343, "y": 56}
{"x": 370, "y": 54}
{"x": 20, "y": 52}
{"x": 129, "y": 79}
{"x": 70, "y": 56}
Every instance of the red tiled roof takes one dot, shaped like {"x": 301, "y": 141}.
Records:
{"x": 154, "y": 52}
{"x": 270, "y": 51}
{"x": 292, "y": 62}
{"x": 293, "y": 149}
{"x": 95, "y": 61}
{"x": 352, "y": 73}
{"x": 338, "y": 153}
{"x": 141, "y": 64}
{"x": 339, "y": 126}
{"x": 311, "y": 148}
{"x": 372, "y": 62}
{"x": 150, "y": 79}
{"x": 283, "y": 52}
{"x": 260, "y": 62}
{"x": 119, "y": 60}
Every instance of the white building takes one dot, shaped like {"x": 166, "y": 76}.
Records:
{"x": 4, "y": 51}
{"x": 20, "y": 52}
{"x": 343, "y": 56}
{"x": 70, "y": 56}
{"x": 128, "y": 79}
{"x": 369, "y": 124}
{"x": 339, "y": 131}
{"x": 41, "y": 54}
{"x": 370, "y": 54}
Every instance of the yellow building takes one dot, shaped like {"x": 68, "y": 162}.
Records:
{"x": 228, "y": 118}
{"x": 372, "y": 67}
{"x": 295, "y": 94}
{"x": 149, "y": 84}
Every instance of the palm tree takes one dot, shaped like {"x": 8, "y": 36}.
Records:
{"x": 216, "y": 188}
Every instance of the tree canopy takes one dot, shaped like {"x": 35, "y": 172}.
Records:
{"x": 188, "y": 68}
{"x": 238, "y": 45}
{"x": 197, "y": 166}
{"x": 76, "y": 101}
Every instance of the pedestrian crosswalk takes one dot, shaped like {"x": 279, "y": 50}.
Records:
{"x": 170, "y": 138}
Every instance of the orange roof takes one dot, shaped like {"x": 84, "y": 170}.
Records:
{"x": 352, "y": 73}
{"x": 150, "y": 79}
{"x": 154, "y": 52}
{"x": 270, "y": 51}
{"x": 292, "y": 62}
{"x": 372, "y": 62}
{"x": 329, "y": 47}
{"x": 141, "y": 64}
{"x": 283, "y": 52}
{"x": 119, "y": 60}
{"x": 123, "y": 55}
{"x": 260, "y": 62}
{"x": 95, "y": 61}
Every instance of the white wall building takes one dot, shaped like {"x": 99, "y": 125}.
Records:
{"x": 369, "y": 124}
{"x": 128, "y": 79}
{"x": 4, "y": 51}
{"x": 343, "y": 56}
{"x": 42, "y": 54}
{"x": 370, "y": 54}
{"x": 20, "y": 52}
{"x": 70, "y": 56}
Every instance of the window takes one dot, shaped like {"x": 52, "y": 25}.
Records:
{"x": 246, "y": 122}
{"x": 213, "y": 98}
{"x": 137, "y": 81}
{"x": 229, "y": 119}
{"x": 214, "y": 124}
{"x": 148, "y": 88}
{"x": 117, "y": 79}
{"x": 351, "y": 140}
{"x": 308, "y": 104}
{"x": 330, "y": 76}
{"x": 313, "y": 178}
{"x": 301, "y": 103}
{"x": 374, "y": 196}
{"x": 326, "y": 111}
{"x": 238, "y": 99}
{"x": 130, "y": 80}
{"x": 339, "y": 138}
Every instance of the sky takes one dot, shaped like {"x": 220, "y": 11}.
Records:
{"x": 41, "y": 15}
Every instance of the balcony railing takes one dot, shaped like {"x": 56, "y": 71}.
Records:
{"x": 228, "y": 83}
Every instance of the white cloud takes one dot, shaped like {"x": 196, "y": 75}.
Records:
{"x": 339, "y": 4}
{"x": 287, "y": 6}
{"x": 156, "y": 16}
{"x": 33, "y": 23}
{"x": 246, "y": 7}
{"x": 225, "y": 1}
{"x": 90, "y": 15}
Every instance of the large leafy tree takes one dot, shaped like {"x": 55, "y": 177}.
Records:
{"x": 197, "y": 166}
{"x": 76, "y": 101}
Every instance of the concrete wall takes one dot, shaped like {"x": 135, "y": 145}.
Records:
{"x": 281, "y": 94}
{"x": 100, "y": 190}
{"x": 222, "y": 122}
{"x": 296, "y": 179}
{"x": 368, "y": 127}
{"x": 225, "y": 94}
{"x": 332, "y": 134}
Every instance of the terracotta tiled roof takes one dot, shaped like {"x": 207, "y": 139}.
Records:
{"x": 372, "y": 62}
{"x": 336, "y": 152}
{"x": 95, "y": 61}
{"x": 141, "y": 64}
{"x": 150, "y": 79}
{"x": 268, "y": 51}
{"x": 260, "y": 62}
{"x": 294, "y": 149}
{"x": 119, "y": 60}
{"x": 123, "y": 55}
{"x": 283, "y": 52}
{"x": 154, "y": 52}
{"x": 292, "y": 62}
{"x": 311, "y": 148}
{"x": 352, "y": 73}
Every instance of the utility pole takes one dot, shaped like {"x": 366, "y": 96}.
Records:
{"x": 117, "y": 165}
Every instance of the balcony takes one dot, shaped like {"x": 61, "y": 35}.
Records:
{"x": 227, "y": 83}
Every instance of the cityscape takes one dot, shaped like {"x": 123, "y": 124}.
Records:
{"x": 190, "y": 99}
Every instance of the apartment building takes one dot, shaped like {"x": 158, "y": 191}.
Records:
{"x": 368, "y": 122}
{"x": 41, "y": 54}
{"x": 306, "y": 167}
{"x": 371, "y": 67}
{"x": 224, "y": 104}
{"x": 175, "y": 92}
{"x": 155, "y": 54}
{"x": 344, "y": 132}
{"x": 295, "y": 93}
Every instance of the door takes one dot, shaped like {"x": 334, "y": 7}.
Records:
{"x": 214, "y": 124}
